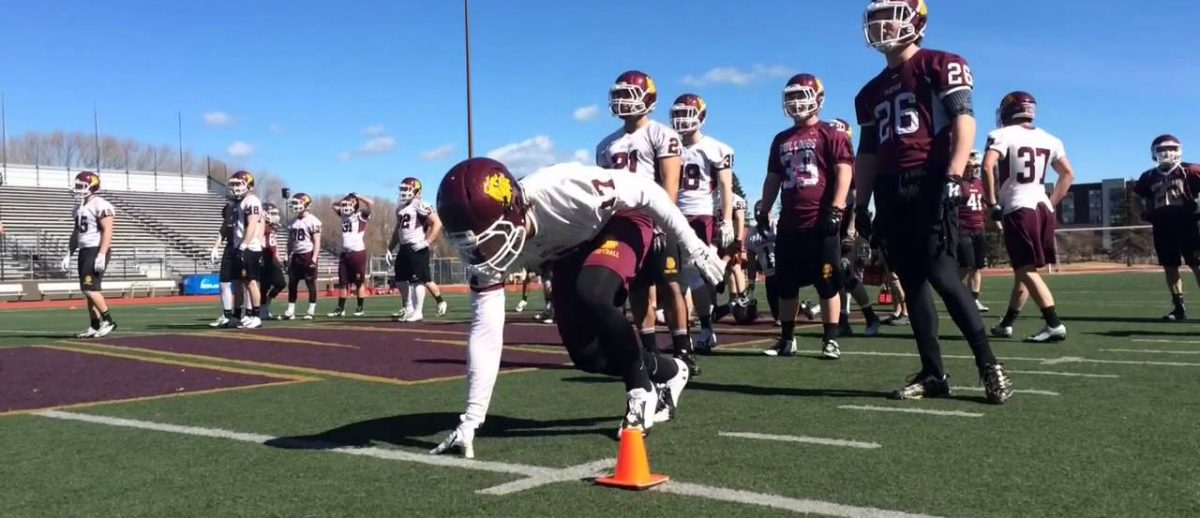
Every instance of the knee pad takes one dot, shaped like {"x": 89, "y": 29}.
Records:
{"x": 829, "y": 283}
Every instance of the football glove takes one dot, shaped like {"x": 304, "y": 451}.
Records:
{"x": 952, "y": 194}
{"x": 725, "y": 234}
{"x": 762, "y": 222}
{"x": 214, "y": 256}
{"x": 997, "y": 212}
{"x": 462, "y": 438}
{"x": 389, "y": 257}
{"x": 100, "y": 264}
{"x": 862, "y": 222}
{"x": 831, "y": 221}
{"x": 706, "y": 259}
{"x": 66, "y": 262}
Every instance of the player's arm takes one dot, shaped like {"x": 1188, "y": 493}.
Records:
{"x": 988, "y": 169}
{"x": 316, "y": 241}
{"x": 106, "y": 223}
{"x": 1066, "y": 176}
{"x": 955, "y": 85}
{"x": 739, "y": 226}
{"x": 670, "y": 169}
{"x": 725, "y": 184}
{"x": 485, "y": 341}
{"x": 771, "y": 185}
{"x": 435, "y": 227}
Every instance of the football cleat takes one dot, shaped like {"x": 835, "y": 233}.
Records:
{"x": 810, "y": 311}
{"x": 897, "y": 320}
{"x": 105, "y": 329}
{"x": 1002, "y": 331}
{"x": 287, "y": 316}
{"x": 221, "y": 321}
{"x": 872, "y": 328}
{"x": 308, "y": 316}
{"x": 830, "y": 350}
{"x": 244, "y": 320}
{"x": 997, "y": 386}
{"x": 545, "y": 317}
{"x": 1049, "y": 334}
{"x": 707, "y": 341}
{"x": 399, "y": 315}
{"x": 442, "y": 307}
{"x": 981, "y": 307}
{"x": 359, "y": 312}
{"x": 690, "y": 360}
{"x": 461, "y": 439}
{"x": 669, "y": 392}
{"x": 639, "y": 410}
{"x": 414, "y": 317}
{"x": 521, "y": 305}
{"x": 251, "y": 323}
{"x": 337, "y": 313}
{"x": 86, "y": 333}
{"x": 921, "y": 385}
{"x": 1176, "y": 315}
{"x": 782, "y": 348}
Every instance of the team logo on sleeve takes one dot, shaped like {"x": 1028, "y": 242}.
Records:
{"x": 498, "y": 187}
{"x": 827, "y": 271}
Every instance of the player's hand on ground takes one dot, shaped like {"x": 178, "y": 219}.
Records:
{"x": 461, "y": 439}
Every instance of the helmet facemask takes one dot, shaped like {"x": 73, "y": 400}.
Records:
{"x": 273, "y": 217}
{"x": 238, "y": 188}
{"x": 801, "y": 101}
{"x": 493, "y": 251}
{"x": 81, "y": 190}
{"x": 685, "y": 118}
{"x": 628, "y": 100}
{"x": 297, "y": 205}
{"x": 406, "y": 194}
{"x": 889, "y": 25}
{"x": 1168, "y": 154}
{"x": 347, "y": 207}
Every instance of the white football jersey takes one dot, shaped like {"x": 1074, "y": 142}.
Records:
{"x": 638, "y": 152}
{"x": 411, "y": 220}
{"x": 354, "y": 229}
{"x": 762, "y": 244}
{"x": 303, "y": 230}
{"x": 249, "y": 206}
{"x": 87, "y": 220}
{"x": 702, "y": 160}
{"x": 739, "y": 203}
{"x": 1025, "y": 158}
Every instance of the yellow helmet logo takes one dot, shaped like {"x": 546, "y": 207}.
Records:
{"x": 922, "y": 8}
{"x": 650, "y": 88}
{"x": 498, "y": 187}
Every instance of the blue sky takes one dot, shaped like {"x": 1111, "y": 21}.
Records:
{"x": 356, "y": 95}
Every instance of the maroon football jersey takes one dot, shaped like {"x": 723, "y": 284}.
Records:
{"x": 806, "y": 158}
{"x": 1172, "y": 193}
{"x": 970, "y": 214}
{"x": 903, "y": 105}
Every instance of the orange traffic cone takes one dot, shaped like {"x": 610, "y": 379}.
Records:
{"x": 633, "y": 467}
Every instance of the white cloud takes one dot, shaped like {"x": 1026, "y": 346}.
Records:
{"x": 378, "y": 145}
{"x": 240, "y": 149}
{"x": 374, "y": 130}
{"x": 736, "y": 76}
{"x": 586, "y": 113}
{"x": 533, "y": 153}
{"x": 343, "y": 157}
{"x": 218, "y": 119}
{"x": 437, "y": 153}
{"x": 275, "y": 127}
{"x": 582, "y": 155}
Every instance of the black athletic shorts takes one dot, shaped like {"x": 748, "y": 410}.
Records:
{"x": 89, "y": 278}
{"x": 412, "y": 265}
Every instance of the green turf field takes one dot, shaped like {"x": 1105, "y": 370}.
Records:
{"x": 1107, "y": 427}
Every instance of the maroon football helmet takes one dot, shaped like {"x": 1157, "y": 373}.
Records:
{"x": 893, "y": 24}
{"x": 803, "y": 96}
{"x": 348, "y": 205}
{"x": 1014, "y": 107}
{"x": 688, "y": 113}
{"x": 240, "y": 184}
{"x": 409, "y": 188}
{"x": 272, "y": 215}
{"x": 633, "y": 94}
{"x": 1166, "y": 150}
{"x": 483, "y": 209}
{"x": 300, "y": 202}
{"x": 86, "y": 184}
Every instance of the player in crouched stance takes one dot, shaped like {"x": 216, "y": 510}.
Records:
{"x": 92, "y": 237}
{"x": 565, "y": 213}
{"x": 1024, "y": 153}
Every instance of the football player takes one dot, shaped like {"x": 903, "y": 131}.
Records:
{"x": 1024, "y": 154}
{"x": 248, "y": 238}
{"x": 567, "y": 213}
{"x": 707, "y": 178}
{"x": 542, "y": 273}
{"x": 760, "y": 246}
{"x": 917, "y": 126}
{"x": 810, "y": 163}
{"x": 972, "y": 243}
{"x": 304, "y": 244}
{"x": 1168, "y": 194}
{"x": 271, "y": 282}
{"x": 355, "y": 212}
{"x": 417, "y": 227}
{"x": 650, "y": 149}
{"x": 855, "y": 254}
{"x": 92, "y": 237}
{"x": 224, "y": 254}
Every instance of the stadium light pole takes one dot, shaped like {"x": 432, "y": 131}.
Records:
{"x": 467, "y": 41}
{"x": 179, "y": 118}
{"x": 4, "y": 137}
{"x": 96, "y": 134}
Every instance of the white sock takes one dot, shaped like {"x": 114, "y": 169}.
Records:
{"x": 312, "y": 308}
{"x": 227, "y": 296}
{"x": 405, "y": 295}
{"x": 420, "y": 305}
{"x": 409, "y": 305}
{"x": 291, "y": 310}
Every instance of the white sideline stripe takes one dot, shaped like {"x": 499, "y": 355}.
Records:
{"x": 1147, "y": 351}
{"x": 951, "y": 413}
{"x": 1043, "y": 361}
{"x": 780, "y": 502}
{"x": 568, "y": 474}
{"x": 803, "y": 439}
{"x": 1165, "y": 341}
{"x": 71, "y": 335}
{"x": 1018, "y": 391}
{"x": 1071, "y": 374}
{"x": 542, "y": 475}
{"x": 951, "y": 356}
{"x": 180, "y": 308}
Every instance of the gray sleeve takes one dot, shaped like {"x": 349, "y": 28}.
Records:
{"x": 959, "y": 103}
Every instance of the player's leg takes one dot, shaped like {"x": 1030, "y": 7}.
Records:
{"x": 1166, "y": 246}
{"x": 524, "y": 292}
{"x": 310, "y": 283}
{"x": 1016, "y": 302}
{"x": 772, "y": 282}
{"x": 342, "y": 286}
{"x": 295, "y": 274}
{"x": 790, "y": 273}
{"x": 253, "y": 267}
{"x": 425, "y": 278}
{"x": 671, "y": 291}
{"x": 827, "y": 278}
{"x": 401, "y": 270}
{"x": 92, "y": 285}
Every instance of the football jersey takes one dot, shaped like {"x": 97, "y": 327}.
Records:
{"x": 87, "y": 220}
{"x": 806, "y": 159}
{"x": 570, "y": 203}
{"x": 354, "y": 229}
{"x": 229, "y": 221}
{"x": 303, "y": 230}
{"x": 249, "y": 206}
{"x": 1025, "y": 157}
{"x": 638, "y": 152}
{"x": 1171, "y": 192}
{"x": 411, "y": 220}
{"x": 270, "y": 241}
{"x": 762, "y": 244}
{"x": 970, "y": 213}
{"x": 702, "y": 161}
{"x": 903, "y": 106}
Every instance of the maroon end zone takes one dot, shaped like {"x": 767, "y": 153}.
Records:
{"x": 36, "y": 377}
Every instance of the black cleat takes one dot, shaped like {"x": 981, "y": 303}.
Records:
{"x": 996, "y": 385}
{"x": 689, "y": 360}
{"x": 921, "y": 385}
{"x": 1176, "y": 315}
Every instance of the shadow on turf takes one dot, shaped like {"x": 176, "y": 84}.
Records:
{"x": 504, "y": 364}
{"x": 754, "y": 390}
{"x": 1142, "y": 333}
{"x": 408, "y": 430}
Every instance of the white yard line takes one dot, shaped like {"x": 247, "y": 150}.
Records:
{"x": 1018, "y": 391}
{"x": 949, "y": 356}
{"x": 1147, "y": 351}
{"x": 1069, "y": 374}
{"x": 1165, "y": 341}
{"x": 802, "y": 439}
{"x": 949, "y": 413}
{"x": 535, "y": 475}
